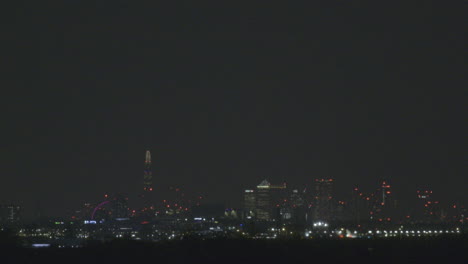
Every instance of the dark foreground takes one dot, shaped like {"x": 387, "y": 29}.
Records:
{"x": 250, "y": 251}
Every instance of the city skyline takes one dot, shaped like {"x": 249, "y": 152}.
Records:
{"x": 227, "y": 96}
{"x": 146, "y": 182}
{"x": 233, "y": 132}
{"x": 321, "y": 195}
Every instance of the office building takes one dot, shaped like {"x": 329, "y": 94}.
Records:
{"x": 323, "y": 211}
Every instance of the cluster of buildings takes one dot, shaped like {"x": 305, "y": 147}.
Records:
{"x": 304, "y": 207}
{"x": 269, "y": 211}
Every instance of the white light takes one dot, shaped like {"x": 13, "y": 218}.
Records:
{"x": 40, "y": 245}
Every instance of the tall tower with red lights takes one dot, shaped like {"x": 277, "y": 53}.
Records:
{"x": 147, "y": 176}
{"x": 385, "y": 206}
{"x": 386, "y": 192}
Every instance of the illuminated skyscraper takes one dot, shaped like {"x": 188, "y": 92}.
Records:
{"x": 294, "y": 208}
{"x": 147, "y": 176}
{"x": 267, "y": 200}
{"x": 250, "y": 201}
{"x": 264, "y": 204}
{"x": 146, "y": 211}
{"x": 323, "y": 200}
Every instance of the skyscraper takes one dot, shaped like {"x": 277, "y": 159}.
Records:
{"x": 323, "y": 200}
{"x": 264, "y": 203}
{"x": 250, "y": 201}
{"x": 147, "y": 208}
{"x": 267, "y": 200}
{"x": 147, "y": 176}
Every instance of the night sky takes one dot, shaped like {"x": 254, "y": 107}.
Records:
{"x": 226, "y": 95}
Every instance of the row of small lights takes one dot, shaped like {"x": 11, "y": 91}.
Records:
{"x": 418, "y": 231}
{"x": 401, "y": 232}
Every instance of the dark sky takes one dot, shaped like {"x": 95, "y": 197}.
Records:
{"x": 225, "y": 95}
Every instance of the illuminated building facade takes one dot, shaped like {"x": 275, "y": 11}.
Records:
{"x": 295, "y": 210}
{"x": 268, "y": 197}
{"x": 323, "y": 210}
{"x": 250, "y": 202}
{"x": 264, "y": 206}
{"x": 9, "y": 214}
